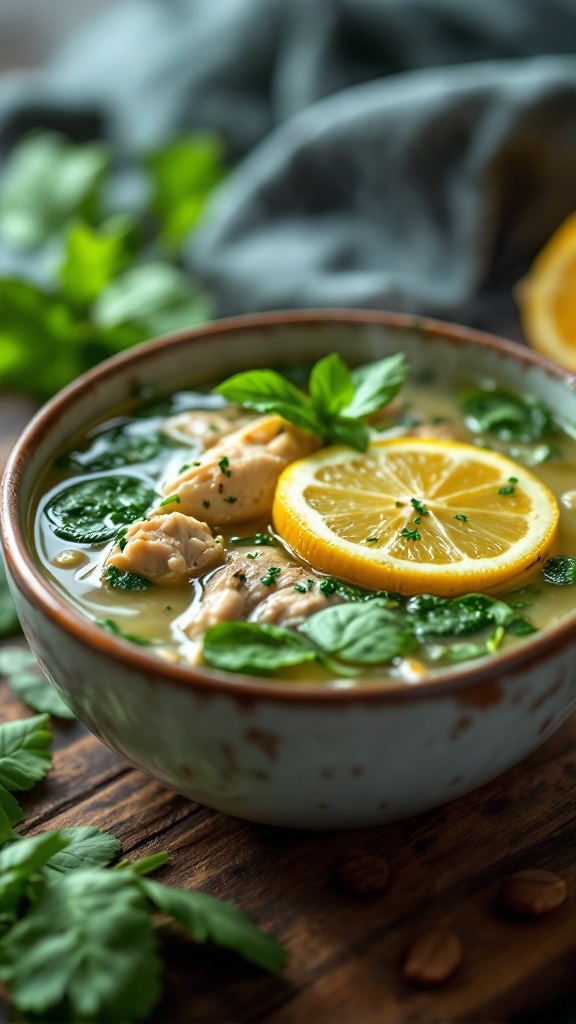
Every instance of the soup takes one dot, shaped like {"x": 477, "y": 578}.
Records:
{"x": 158, "y": 524}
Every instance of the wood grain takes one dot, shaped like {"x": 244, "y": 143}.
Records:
{"x": 446, "y": 868}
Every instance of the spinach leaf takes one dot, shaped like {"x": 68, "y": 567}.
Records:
{"x": 123, "y": 580}
{"x": 91, "y": 511}
{"x": 9, "y": 623}
{"x": 117, "y": 447}
{"x": 459, "y": 616}
{"x": 260, "y": 650}
{"x": 361, "y": 634}
{"x": 112, "y": 627}
{"x": 560, "y": 570}
{"x": 467, "y": 652}
{"x": 26, "y": 678}
{"x": 510, "y": 417}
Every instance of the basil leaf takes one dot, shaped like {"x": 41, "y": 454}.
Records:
{"x": 9, "y": 623}
{"x": 259, "y": 650}
{"x": 26, "y": 678}
{"x": 90, "y": 512}
{"x": 459, "y": 616}
{"x": 351, "y": 432}
{"x": 87, "y": 847}
{"x": 124, "y": 580}
{"x": 24, "y": 754}
{"x": 331, "y": 386}
{"x": 219, "y": 921}
{"x": 509, "y": 416}
{"x": 154, "y": 296}
{"x": 376, "y": 384}
{"x": 87, "y": 940}
{"x": 362, "y": 634}
{"x": 268, "y": 391}
{"x": 560, "y": 570}
{"x": 48, "y": 179}
{"x": 183, "y": 176}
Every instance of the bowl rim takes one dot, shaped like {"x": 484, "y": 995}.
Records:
{"x": 28, "y": 578}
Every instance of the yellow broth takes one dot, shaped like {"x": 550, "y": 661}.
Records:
{"x": 159, "y": 614}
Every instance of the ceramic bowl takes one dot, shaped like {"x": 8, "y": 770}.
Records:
{"x": 311, "y": 757}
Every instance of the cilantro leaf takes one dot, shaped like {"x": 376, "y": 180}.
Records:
{"x": 86, "y": 940}
{"x": 9, "y": 623}
{"x": 87, "y": 847}
{"x": 248, "y": 647}
{"x": 24, "y": 754}
{"x": 376, "y": 384}
{"x": 220, "y": 921}
{"x": 26, "y": 678}
{"x": 48, "y": 179}
{"x": 360, "y": 633}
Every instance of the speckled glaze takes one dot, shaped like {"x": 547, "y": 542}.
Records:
{"x": 308, "y": 757}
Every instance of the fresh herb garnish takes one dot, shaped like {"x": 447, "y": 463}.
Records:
{"x": 459, "y": 616}
{"x": 224, "y": 466}
{"x": 26, "y": 678}
{"x": 560, "y": 570}
{"x": 241, "y": 576}
{"x": 256, "y": 540}
{"x": 419, "y": 507}
{"x": 206, "y": 504}
{"x": 271, "y": 576}
{"x": 506, "y": 489}
{"x": 120, "y": 579}
{"x": 172, "y": 499}
{"x": 461, "y": 517}
{"x": 509, "y": 416}
{"x": 468, "y": 652}
{"x": 371, "y": 540}
{"x": 91, "y": 512}
{"x": 338, "y": 399}
{"x": 410, "y": 534}
{"x": 231, "y": 500}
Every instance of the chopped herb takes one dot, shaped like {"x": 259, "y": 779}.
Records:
{"x": 256, "y": 540}
{"x": 371, "y": 540}
{"x": 241, "y": 576}
{"x": 513, "y": 479}
{"x": 184, "y": 467}
{"x": 300, "y": 588}
{"x": 271, "y": 576}
{"x": 506, "y": 490}
{"x": 123, "y": 580}
{"x": 410, "y": 534}
{"x": 231, "y": 500}
{"x": 252, "y": 554}
{"x": 399, "y": 504}
{"x": 419, "y": 507}
{"x": 197, "y": 463}
{"x": 461, "y": 518}
{"x": 173, "y": 499}
{"x": 417, "y": 521}
{"x": 224, "y": 464}
{"x": 206, "y": 504}
{"x": 328, "y": 587}
{"x": 213, "y": 426}
{"x": 560, "y": 570}
{"x": 310, "y": 584}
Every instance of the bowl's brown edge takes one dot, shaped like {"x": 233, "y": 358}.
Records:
{"x": 37, "y": 590}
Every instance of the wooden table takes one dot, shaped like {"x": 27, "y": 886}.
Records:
{"x": 446, "y": 868}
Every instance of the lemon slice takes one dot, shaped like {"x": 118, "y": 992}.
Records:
{"x": 415, "y": 515}
{"x": 547, "y": 297}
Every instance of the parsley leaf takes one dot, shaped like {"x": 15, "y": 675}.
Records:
{"x": 24, "y": 754}
{"x": 26, "y": 678}
{"x": 220, "y": 921}
{"x": 87, "y": 847}
{"x": 21, "y": 859}
{"x": 87, "y": 940}
{"x": 248, "y": 647}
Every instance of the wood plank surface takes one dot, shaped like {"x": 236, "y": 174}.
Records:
{"x": 446, "y": 867}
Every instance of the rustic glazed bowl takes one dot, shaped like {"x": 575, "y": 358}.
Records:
{"x": 311, "y": 757}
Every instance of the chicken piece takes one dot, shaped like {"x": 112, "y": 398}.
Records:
{"x": 167, "y": 549}
{"x": 237, "y": 591}
{"x": 236, "y": 479}
{"x": 206, "y": 426}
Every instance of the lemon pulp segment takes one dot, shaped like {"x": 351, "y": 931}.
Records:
{"x": 547, "y": 297}
{"x": 415, "y": 516}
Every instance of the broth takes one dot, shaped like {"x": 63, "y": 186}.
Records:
{"x": 130, "y": 443}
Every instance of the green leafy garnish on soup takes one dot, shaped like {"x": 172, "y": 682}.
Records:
{"x": 91, "y": 512}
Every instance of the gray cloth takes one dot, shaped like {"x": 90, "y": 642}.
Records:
{"x": 409, "y": 154}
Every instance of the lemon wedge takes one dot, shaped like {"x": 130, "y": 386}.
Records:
{"x": 547, "y": 297}
{"x": 415, "y": 515}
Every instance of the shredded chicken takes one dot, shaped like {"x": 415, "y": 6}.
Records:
{"x": 237, "y": 591}
{"x": 167, "y": 549}
{"x": 206, "y": 426}
{"x": 236, "y": 479}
